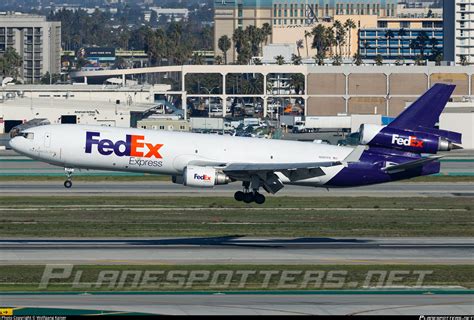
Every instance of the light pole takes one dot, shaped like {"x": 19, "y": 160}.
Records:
{"x": 209, "y": 92}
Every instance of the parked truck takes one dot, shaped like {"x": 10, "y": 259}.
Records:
{"x": 314, "y": 124}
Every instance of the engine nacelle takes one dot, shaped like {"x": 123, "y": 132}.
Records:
{"x": 203, "y": 177}
{"x": 411, "y": 141}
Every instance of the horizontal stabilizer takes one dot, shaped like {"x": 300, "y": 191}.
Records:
{"x": 410, "y": 165}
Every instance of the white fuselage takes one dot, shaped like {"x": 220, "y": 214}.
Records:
{"x": 164, "y": 152}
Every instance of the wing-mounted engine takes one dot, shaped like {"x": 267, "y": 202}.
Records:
{"x": 203, "y": 177}
{"x": 424, "y": 140}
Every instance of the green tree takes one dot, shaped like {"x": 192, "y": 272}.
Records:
{"x": 319, "y": 39}
{"x": 295, "y": 59}
{"x": 10, "y": 63}
{"x": 319, "y": 58}
{"x": 340, "y": 36}
{"x": 280, "y": 60}
{"x": 218, "y": 60}
{"x": 350, "y": 25}
{"x": 239, "y": 39}
{"x": 267, "y": 31}
{"x": 120, "y": 63}
{"x": 224, "y": 43}
{"x": 463, "y": 60}
{"x": 299, "y": 45}
{"x": 357, "y": 59}
{"x": 401, "y": 34}
{"x": 378, "y": 60}
{"x": 47, "y": 78}
{"x": 297, "y": 83}
{"x": 198, "y": 59}
{"x": 388, "y": 36}
{"x": 337, "y": 60}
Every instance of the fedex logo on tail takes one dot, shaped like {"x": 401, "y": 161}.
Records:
{"x": 411, "y": 141}
{"x": 132, "y": 146}
{"x": 204, "y": 177}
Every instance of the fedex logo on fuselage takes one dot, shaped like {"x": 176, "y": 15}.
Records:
{"x": 411, "y": 141}
{"x": 132, "y": 146}
{"x": 204, "y": 177}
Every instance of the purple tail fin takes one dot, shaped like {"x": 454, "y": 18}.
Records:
{"x": 425, "y": 111}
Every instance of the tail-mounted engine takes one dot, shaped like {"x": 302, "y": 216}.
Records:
{"x": 424, "y": 141}
{"x": 203, "y": 177}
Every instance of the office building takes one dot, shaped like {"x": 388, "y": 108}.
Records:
{"x": 402, "y": 39}
{"x": 458, "y": 16}
{"x": 286, "y": 14}
{"x": 36, "y": 40}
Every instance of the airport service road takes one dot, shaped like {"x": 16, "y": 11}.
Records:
{"x": 255, "y": 304}
{"x": 400, "y": 189}
{"x": 239, "y": 250}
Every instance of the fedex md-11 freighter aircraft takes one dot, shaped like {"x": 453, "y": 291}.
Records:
{"x": 403, "y": 149}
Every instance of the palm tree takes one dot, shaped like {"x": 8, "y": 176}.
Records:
{"x": 299, "y": 45}
{"x": 319, "y": 58}
{"x": 319, "y": 40}
{"x": 337, "y": 60}
{"x": 280, "y": 60}
{"x": 224, "y": 45}
{"x": 401, "y": 33}
{"x": 306, "y": 35}
{"x": 422, "y": 41}
{"x": 239, "y": 39}
{"x": 434, "y": 47}
{"x": 330, "y": 40}
{"x": 414, "y": 45}
{"x": 218, "y": 60}
{"x": 349, "y": 25}
{"x": 340, "y": 35}
{"x": 267, "y": 31}
{"x": 295, "y": 59}
{"x": 297, "y": 83}
{"x": 357, "y": 59}
{"x": 388, "y": 35}
{"x": 366, "y": 45}
{"x": 378, "y": 60}
{"x": 463, "y": 60}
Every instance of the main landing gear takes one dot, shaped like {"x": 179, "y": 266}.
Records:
{"x": 68, "y": 182}
{"x": 248, "y": 196}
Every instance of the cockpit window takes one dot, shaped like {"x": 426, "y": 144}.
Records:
{"x": 18, "y": 133}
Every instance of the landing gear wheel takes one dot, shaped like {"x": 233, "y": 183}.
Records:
{"x": 69, "y": 172}
{"x": 68, "y": 184}
{"x": 239, "y": 196}
{"x": 248, "y": 197}
{"x": 259, "y": 198}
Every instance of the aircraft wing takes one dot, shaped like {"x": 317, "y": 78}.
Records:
{"x": 255, "y": 167}
{"x": 266, "y": 172}
{"x": 410, "y": 165}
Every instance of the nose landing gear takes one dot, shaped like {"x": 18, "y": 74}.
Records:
{"x": 68, "y": 182}
{"x": 248, "y": 196}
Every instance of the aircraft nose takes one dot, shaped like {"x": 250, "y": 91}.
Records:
{"x": 18, "y": 144}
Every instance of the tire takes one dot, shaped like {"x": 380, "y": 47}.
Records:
{"x": 67, "y": 184}
{"x": 239, "y": 196}
{"x": 259, "y": 198}
{"x": 248, "y": 197}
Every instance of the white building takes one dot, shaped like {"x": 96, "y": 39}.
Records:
{"x": 172, "y": 14}
{"x": 84, "y": 104}
{"x": 36, "y": 40}
{"x": 458, "y": 19}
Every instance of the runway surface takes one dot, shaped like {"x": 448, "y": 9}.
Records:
{"x": 400, "y": 189}
{"x": 252, "y": 304}
{"x": 239, "y": 250}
